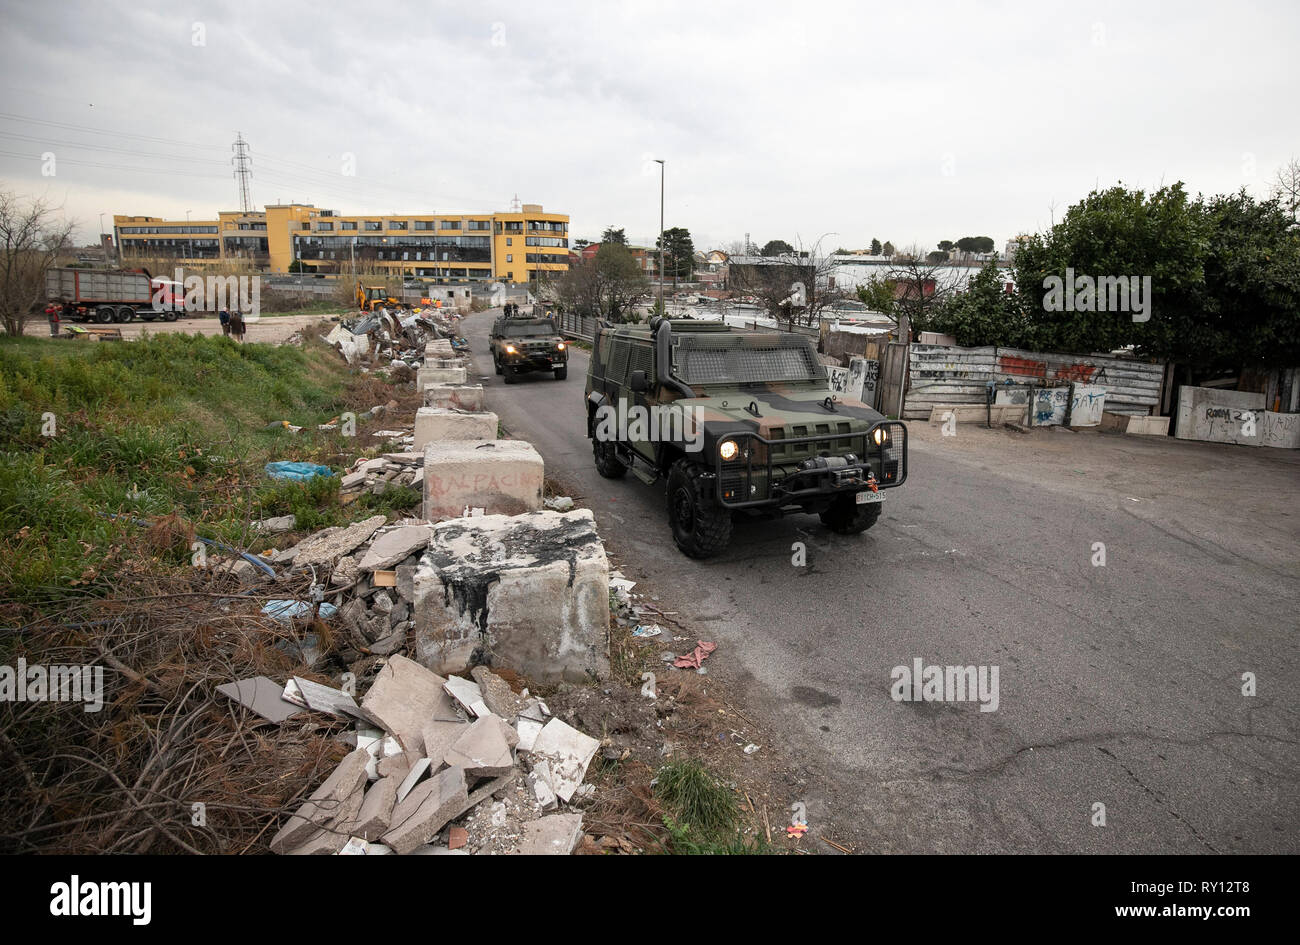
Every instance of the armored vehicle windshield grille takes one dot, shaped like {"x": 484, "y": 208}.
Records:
{"x": 745, "y": 359}
{"x": 640, "y": 359}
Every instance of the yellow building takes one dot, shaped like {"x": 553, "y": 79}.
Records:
{"x": 513, "y": 246}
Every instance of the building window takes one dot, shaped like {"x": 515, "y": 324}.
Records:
{"x": 449, "y": 225}
{"x": 347, "y": 225}
{"x": 479, "y": 225}
{"x": 508, "y": 241}
{"x": 324, "y": 226}
{"x": 397, "y": 224}
{"x": 374, "y": 225}
{"x": 510, "y": 257}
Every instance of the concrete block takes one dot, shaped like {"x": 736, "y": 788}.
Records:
{"x": 527, "y": 592}
{"x": 483, "y": 751}
{"x": 440, "y": 423}
{"x": 404, "y": 698}
{"x": 1125, "y": 423}
{"x": 327, "y": 546}
{"x": 439, "y": 349}
{"x": 1281, "y": 430}
{"x": 503, "y": 477}
{"x": 439, "y": 375}
{"x": 552, "y": 835}
{"x": 1220, "y": 416}
{"x": 426, "y": 810}
{"x": 459, "y": 396}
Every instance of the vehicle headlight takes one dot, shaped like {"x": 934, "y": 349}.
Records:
{"x": 560, "y": 346}
{"x": 728, "y": 450}
{"x": 510, "y": 349}
{"x": 880, "y": 435}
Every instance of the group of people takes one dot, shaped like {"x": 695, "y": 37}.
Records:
{"x": 232, "y": 324}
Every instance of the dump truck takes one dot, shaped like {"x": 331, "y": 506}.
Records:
{"x": 114, "y": 295}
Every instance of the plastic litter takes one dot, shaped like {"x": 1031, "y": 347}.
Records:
{"x": 696, "y": 658}
{"x": 647, "y": 630}
{"x": 286, "y": 610}
{"x": 298, "y": 471}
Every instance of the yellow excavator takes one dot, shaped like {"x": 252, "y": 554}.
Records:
{"x": 371, "y": 297}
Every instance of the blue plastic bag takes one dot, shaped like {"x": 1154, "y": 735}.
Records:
{"x": 296, "y": 470}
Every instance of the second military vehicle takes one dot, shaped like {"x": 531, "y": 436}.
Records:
{"x": 737, "y": 422}
{"x": 521, "y": 344}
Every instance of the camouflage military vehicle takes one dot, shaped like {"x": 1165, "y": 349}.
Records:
{"x": 737, "y": 422}
{"x": 520, "y": 344}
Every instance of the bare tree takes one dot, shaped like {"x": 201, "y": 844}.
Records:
{"x": 915, "y": 288}
{"x": 32, "y": 237}
{"x": 1286, "y": 188}
{"x": 794, "y": 288}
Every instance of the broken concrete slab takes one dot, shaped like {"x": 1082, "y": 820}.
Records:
{"x": 395, "y": 545}
{"x": 376, "y": 811}
{"x": 458, "y": 396}
{"x": 276, "y": 525}
{"x": 539, "y": 783}
{"x": 412, "y": 778}
{"x": 527, "y": 592}
{"x": 440, "y": 423}
{"x": 426, "y": 810}
{"x": 439, "y": 737}
{"x": 497, "y": 695}
{"x": 503, "y": 477}
{"x": 553, "y": 835}
{"x": 404, "y": 698}
{"x": 326, "y": 547}
{"x": 321, "y": 843}
{"x": 327, "y": 803}
{"x": 483, "y": 751}
{"x": 263, "y": 695}
{"x": 567, "y": 752}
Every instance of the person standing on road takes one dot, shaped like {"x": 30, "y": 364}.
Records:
{"x": 224, "y": 317}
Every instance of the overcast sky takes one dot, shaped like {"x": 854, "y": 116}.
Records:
{"x": 789, "y": 120}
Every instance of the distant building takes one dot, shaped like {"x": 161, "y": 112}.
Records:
{"x": 511, "y": 246}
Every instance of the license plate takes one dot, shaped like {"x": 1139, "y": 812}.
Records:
{"x": 867, "y": 497}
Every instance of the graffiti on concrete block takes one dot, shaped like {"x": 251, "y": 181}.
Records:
{"x": 864, "y": 374}
{"x": 837, "y": 379}
{"x": 1086, "y": 404}
{"x": 1050, "y": 404}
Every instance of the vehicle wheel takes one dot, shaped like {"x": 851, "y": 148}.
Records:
{"x": 607, "y": 463}
{"x": 104, "y": 314}
{"x": 701, "y": 527}
{"x": 125, "y": 313}
{"x": 496, "y": 363}
{"x": 846, "y": 517}
{"x": 169, "y": 316}
{"x": 561, "y": 373}
{"x": 511, "y": 374}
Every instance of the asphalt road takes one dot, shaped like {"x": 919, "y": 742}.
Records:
{"x": 1119, "y": 685}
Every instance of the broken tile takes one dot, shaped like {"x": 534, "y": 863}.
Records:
{"x": 376, "y": 811}
{"x": 264, "y": 696}
{"x": 497, "y": 695}
{"x": 394, "y": 545}
{"x": 483, "y": 751}
{"x": 466, "y": 693}
{"x": 412, "y": 778}
{"x": 404, "y": 698}
{"x": 568, "y": 752}
{"x": 328, "y": 802}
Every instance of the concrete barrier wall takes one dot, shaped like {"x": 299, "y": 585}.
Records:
{"x": 1220, "y": 416}
{"x": 1281, "y": 430}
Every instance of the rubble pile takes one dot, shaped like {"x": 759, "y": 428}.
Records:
{"x": 431, "y": 751}
{"x": 392, "y": 337}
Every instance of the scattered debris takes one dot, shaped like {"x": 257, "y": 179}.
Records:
{"x": 299, "y": 471}
{"x": 696, "y": 658}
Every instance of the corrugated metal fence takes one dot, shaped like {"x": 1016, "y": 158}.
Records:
{"x": 949, "y": 375}
{"x": 577, "y": 326}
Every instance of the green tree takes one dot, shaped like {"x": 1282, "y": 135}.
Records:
{"x": 876, "y": 248}
{"x": 679, "y": 253}
{"x": 975, "y": 244}
{"x": 612, "y": 235}
{"x": 985, "y": 313}
{"x": 776, "y": 248}
{"x": 620, "y": 282}
{"x": 887, "y": 249}
{"x": 945, "y": 246}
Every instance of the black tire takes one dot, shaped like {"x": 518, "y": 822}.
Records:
{"x": 701, "y": 528}
{"x": 169, "y": 316}
{"x": 607, "y": 463}
{"x": 496, "y": 363}
{"x": 105, "y": 314}
{"x": 511, "y": 374}
{"x": 125, "y": 313}
{"x": 561, "y": 373}
{"x": 846, "y": 517}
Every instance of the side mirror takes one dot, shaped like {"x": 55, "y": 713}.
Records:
{"x": 637, "y": 382}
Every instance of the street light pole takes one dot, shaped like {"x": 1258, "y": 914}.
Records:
{"x": 662, "y": 312}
